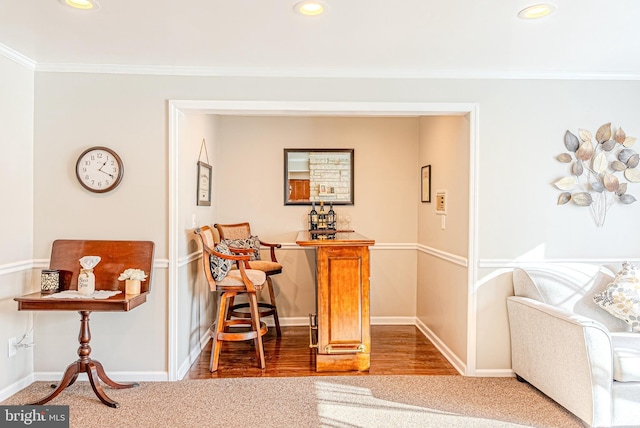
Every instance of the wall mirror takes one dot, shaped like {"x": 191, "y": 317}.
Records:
{"x": 314, "y": 175}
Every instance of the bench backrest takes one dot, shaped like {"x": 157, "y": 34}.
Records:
{"x": 116, "y": 257}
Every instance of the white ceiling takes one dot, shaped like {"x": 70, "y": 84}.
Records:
{"x": 359, "y": 38}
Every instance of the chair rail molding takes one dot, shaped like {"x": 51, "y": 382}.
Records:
{"x": 515, "y": 263}
{"x": 19, "y": 266}
{"x": 25, "y": 265}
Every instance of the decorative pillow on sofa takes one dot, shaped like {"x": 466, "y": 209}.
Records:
{"x": 621, "y": 298}
{"x": 220, "y": 267}
{"x": 252, "y": 242}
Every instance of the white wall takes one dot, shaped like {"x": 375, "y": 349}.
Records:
{"x": 196, "y": 304}
{"x": 521, "y": 128}
{"x": 128, "y": 116}
{"x": 442, "y": 297}
{"x": 16, "y": 212}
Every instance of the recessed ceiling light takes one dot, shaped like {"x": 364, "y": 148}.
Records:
{"x": 82, "y": 4}
{"x": 311, "y": 8}
{"x": 536, "y": 11}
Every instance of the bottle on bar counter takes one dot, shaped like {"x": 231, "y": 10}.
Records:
{"x": 322, "y": 217}
{"x": 331, "y": 217}
{"x": 313, "y": 217}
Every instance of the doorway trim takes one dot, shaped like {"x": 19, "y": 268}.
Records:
{"x": 307, "y": 108}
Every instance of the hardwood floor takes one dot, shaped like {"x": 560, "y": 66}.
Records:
{"x": 395, "y": 350}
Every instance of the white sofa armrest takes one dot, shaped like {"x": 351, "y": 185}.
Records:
{"x": 566, "y": 356}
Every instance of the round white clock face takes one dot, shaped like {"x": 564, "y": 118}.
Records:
{"x": 99, "y": 169}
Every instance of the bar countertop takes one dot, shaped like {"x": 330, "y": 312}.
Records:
{"x": 340, "y": 238}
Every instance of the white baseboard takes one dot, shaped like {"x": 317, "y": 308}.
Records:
{"x": 193, "y": 356}
{"x": 495, "y": 373}
{"x": 458, "y": 364}
{"x": 393, "y": 320}
{"x": 16, "y": 387}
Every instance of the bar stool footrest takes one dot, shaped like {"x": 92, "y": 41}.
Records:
{"x": 238, "y": 335}
{"x": 264, "y": 309}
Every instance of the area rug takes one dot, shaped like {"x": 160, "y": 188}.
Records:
{"x": 328, "y": 401}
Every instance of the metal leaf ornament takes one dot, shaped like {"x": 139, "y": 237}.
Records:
{"x": 577, "y": 169}
{"x": 597, "y": 168}
{"x": 564, "y": 198}
{"x": 604, "y": 133}
{"x": 571, "y": 142}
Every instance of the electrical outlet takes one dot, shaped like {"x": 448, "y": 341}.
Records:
{"x": 13, "y": 347}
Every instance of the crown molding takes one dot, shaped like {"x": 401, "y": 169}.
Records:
{"x": 346, "y": 73}
{"x": 16, "y": 56}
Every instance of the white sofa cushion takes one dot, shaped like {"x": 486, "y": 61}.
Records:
{"x": 570, "y": 286}
{"x": 626, "y": 357}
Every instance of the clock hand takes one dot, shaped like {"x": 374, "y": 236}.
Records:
{"x": 104, "y": 172}
{"x": 100, "y": 169}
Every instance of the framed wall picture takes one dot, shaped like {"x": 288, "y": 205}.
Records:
{"x": 204, "y": 184}
{"x": 425, "y": 184}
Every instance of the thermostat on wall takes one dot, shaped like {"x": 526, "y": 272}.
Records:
{"x": 441, "y": 201}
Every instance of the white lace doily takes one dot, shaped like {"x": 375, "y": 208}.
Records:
{"x": 73, "y": 294}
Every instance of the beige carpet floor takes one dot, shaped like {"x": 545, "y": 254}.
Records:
{"x": 328, "y": 401}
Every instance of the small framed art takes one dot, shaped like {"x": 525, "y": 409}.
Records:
{"x": 204, "y": 184}
{"x": 425, "y": 184}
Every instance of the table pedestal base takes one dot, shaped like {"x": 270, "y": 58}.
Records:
{"x": 84, "y": 364}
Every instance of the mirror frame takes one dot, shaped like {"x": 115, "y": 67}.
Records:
{"x": 350, "y": 201}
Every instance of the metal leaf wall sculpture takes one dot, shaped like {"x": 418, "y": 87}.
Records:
{"x": 593, "y": 181}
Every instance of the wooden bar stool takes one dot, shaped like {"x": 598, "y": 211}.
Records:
{"x": 238, "y": 237}
{"x": 217, "y": 264}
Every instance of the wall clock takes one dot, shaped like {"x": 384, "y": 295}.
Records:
{"x": 99, "y": 169}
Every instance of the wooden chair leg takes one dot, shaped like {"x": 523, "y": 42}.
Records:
{"x": 229, "y": 307}
{"x": 272, "y": 297}
{"x": 216, "y": 346}
{"x": 255, "y": 321}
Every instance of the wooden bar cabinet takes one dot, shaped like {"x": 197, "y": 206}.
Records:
{"x": 342, "y": 287}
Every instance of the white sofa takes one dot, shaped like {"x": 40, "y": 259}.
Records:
{"x": 571, "y": 349}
